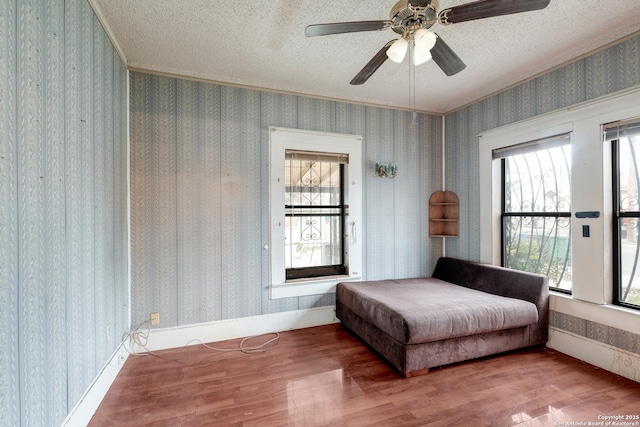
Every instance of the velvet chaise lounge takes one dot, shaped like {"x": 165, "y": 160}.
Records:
{"x": 464, "y": 311}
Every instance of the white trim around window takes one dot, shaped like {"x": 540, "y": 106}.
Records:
{"x": 281, "y": 139}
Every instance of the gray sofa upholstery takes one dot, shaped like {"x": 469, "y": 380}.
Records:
{"x": 464, "y": 311}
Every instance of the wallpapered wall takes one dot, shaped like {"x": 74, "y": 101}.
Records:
{"x": 63, "y": 199}
{"x": 200, "y": 196}
{"x": 602, "y": 73}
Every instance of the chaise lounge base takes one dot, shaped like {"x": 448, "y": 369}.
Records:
{"x": 464, "y": 311}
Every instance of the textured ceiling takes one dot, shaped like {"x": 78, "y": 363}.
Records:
{"x": 262, "y": 44}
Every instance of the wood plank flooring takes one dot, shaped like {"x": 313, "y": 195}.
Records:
{"x": 325, "y": 376}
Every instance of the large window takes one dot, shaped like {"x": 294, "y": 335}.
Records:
{"x": 536, "y": 208}
{"x": 625, "y": 143}
{"x": 315, "y": 211}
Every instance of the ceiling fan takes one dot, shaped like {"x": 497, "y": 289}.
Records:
{"x": 412, "y": 19}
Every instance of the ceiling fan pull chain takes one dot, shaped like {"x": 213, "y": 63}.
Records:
{"x": 412, "y": 83}
{"x": 414, "y": 121}
{"x": 411, "y": 69}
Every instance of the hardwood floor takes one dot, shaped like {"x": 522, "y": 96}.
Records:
{"x": 326, "y": 376}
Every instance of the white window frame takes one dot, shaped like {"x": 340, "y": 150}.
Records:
{"x": 281, "y": 139}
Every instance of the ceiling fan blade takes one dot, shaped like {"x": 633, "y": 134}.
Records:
{"x": 487, "y": 9}
{"x": 446, "y": 58}
{"x": 371, "y": 67}
{"x": 346, "y": 27}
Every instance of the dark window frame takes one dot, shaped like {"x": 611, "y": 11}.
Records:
{"x": 508, "y": 215}
{"x": 325, "y": 210}
{"x": 618, "y": 218}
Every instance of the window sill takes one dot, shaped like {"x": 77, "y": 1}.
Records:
{"x": 306, "y": 287}
{"x": 606, "y": 314}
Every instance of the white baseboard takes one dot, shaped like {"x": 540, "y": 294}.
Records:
{"x": 83, "y": 411}
{"x": 165, "y": 338}
{"x": 610, "y": 358}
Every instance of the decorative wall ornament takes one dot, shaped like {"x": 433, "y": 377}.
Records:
{"x": 386, "y": 170}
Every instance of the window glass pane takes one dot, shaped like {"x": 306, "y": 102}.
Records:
{"x": 536, "y": 218}
{"x": 312, "y": 241}
{"x": 311, "y": 183}
{"x": 628, "y": 173}
{"x": 539, "y": 181}
{"x": 629, "y": 256}
{"x": 539, "y": 245}
{"x": 629, "y": 276}
{"x": 313, "y": 213}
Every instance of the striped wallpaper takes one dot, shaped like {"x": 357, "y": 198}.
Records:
{"x": 63, "y": 207}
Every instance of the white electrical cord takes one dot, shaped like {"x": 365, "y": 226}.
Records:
{"x": 241, "y": 347}
{"x": 139, "y": 338}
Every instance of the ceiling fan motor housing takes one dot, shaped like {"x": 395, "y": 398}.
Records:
{"x": 407, "y": 16}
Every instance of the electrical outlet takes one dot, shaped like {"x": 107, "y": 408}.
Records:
{"x": 154, "y": 318}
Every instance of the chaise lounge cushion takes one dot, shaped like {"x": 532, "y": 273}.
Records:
{"x": 423, "y": 310}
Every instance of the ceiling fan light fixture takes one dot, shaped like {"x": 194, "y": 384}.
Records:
{"x": 421, "y": 56}
{"x": 424, "y": 39}
{"x": 398, "y": 50}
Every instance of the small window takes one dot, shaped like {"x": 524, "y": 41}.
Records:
{"x": 536, "y": 208}
{"x": 625, "y": 144}
{"x": 315, "y": 211}
{"x": 315, "y": 214}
